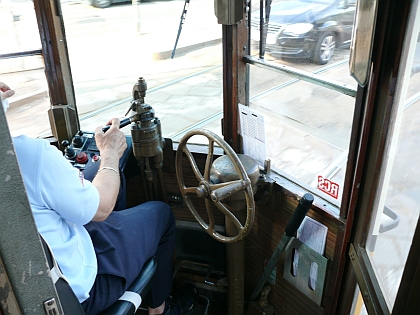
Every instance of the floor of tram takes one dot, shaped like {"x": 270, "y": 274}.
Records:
{"x": 211, "y": 301}
{"x": 201, "y": 261}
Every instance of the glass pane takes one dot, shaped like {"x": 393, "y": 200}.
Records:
{"x": 19, "y": 29}
{"x": 110, "y": 48}
{"x": 398, "y": 201}
{"x": 307, "y": 126}
{"x": 27, "y": 113}
{"x": 296, "y": 31}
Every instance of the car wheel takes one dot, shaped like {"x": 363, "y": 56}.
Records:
{"x": 101, "y": 3}
{"x": 324, "y": 49}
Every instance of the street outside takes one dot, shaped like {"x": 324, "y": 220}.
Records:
{"x": 307, "y": 126}
{"x": 110, "y": 48}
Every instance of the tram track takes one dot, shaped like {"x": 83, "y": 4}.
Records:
{"x": 218, "y": 116}
{"x": 149, "y": 90}
{"x": 215, "y": 116}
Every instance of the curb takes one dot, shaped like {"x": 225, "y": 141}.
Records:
{"x": 22, "y": 99}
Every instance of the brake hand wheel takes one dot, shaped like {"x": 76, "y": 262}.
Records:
{"x": 215, "y": 193}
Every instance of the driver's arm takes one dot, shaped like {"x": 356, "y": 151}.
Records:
{"x": 111, "y": 146}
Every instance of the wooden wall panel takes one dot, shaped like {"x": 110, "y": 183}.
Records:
{"x": 267, "y": 232}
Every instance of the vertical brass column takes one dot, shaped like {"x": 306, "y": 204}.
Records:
{"x": 235, "y": 260}
{"x": 241, "y": 206}
{"x": 230, "y": 14}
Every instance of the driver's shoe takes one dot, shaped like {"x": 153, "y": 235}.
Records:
{"x": 183, "y": 302}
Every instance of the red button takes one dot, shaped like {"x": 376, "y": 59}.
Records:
{"x": 82, "y": 158}
{"x": 96, "y": 158}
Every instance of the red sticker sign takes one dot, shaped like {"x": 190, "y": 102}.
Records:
{"x": 328, "y": 186}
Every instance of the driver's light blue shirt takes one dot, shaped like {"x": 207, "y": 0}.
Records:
{"x": 62, "y": 202}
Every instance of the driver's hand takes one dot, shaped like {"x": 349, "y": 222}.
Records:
{"x": 113, "y": 141}
{"x": 6, "y": 91}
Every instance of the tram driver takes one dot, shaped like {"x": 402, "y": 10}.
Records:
{"x": 99, "y": 251}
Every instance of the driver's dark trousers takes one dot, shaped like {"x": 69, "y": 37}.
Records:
{"x": 123, "y": 243}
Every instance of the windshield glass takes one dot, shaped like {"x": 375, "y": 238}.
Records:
{"x": 307, "y": 115}
{"x": 176, "y": 47}
{"x": 27, "y": 111}
{"x": 109, "y": 48}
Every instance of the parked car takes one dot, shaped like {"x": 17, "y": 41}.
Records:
{"x": 105, "y": 3}
{"x": 307, "y": 28}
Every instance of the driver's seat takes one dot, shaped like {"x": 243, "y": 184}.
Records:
{"x": 128, "y": 303}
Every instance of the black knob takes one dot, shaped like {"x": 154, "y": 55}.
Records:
{"x": 77, "y": 141}
{"x": 68, "y": 150}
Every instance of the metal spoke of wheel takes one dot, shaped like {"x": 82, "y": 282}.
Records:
{"x": 209, "y": 160}
{"x": 223, "y": 208}
{"x": 194, "y": 166}
{"x": 214, "y": 187}
{"x": 210, "y": 215}
{"x": 190, "y": 190}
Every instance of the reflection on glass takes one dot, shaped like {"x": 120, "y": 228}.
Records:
{"x": 398, "y": 202}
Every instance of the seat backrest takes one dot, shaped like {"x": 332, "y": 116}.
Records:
{"x": 128, "y": 303}
{"x": 68, "y": 300}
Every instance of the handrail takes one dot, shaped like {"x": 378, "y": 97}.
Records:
{"x": 302, "y": 75}
{"x": 389, "y": 225}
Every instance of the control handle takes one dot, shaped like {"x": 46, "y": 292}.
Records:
{"x": 294, "y": 223}
{"x": 299, "y": 214}
{"x": 124, "y": 122}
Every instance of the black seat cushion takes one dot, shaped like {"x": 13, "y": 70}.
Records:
{"x": 141, "y": 285}
{"x": 70, "y": 304}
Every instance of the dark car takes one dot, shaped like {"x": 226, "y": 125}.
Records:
{"x": 105, "y": 3}
{"x": 307, "y": 28}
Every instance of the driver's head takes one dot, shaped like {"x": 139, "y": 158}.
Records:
{"x": 6, "y": 92}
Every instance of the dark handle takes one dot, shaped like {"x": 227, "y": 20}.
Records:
{"x": 300, "y": 213}
{"x": 123, "y": 123}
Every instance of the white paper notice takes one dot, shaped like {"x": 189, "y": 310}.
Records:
{"x": 253, "y": 133}
{"x": 314, "y": 235}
